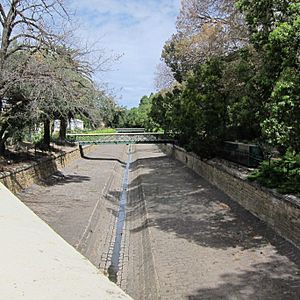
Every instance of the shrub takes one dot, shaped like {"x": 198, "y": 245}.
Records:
{"x": 282, "y": 174}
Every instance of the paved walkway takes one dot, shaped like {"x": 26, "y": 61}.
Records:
{"x": 204, "y": 245}
{"x": 75, "y": 202}
{"x": 36, "y": 263}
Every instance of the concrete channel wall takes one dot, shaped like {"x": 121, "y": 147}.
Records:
{"x": 25, "y": 176}
{"x": 36, "y": 263}
{"x": 282, "y": 213}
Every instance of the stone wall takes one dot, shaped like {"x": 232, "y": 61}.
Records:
{"x": 26, "y": 175}
{"x": 281, "y": 212}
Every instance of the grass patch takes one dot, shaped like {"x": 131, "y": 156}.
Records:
{"x": 96, "y": 131}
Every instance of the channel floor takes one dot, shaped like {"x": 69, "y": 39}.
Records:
{"x": 203, "y": 244}
{"x": 183, "y": 238}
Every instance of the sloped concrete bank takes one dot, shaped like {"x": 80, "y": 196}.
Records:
{"x": 138, "y": 273}
{"x": 97, "y": 242}
{"x": 80, "y": 203}
{"x": 281, "y": 212}
{"x": 25, "y": 176}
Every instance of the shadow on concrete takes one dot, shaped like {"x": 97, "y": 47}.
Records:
{"x": 264, "y": 281}
{"x": 113, "y": 197}
{"x": 187, "y": 205}
{"x": 81, "y": 150}
{"x": 183, "y": 203}
{"x": 104, "y": 159}
{"x": 58, "y": 178}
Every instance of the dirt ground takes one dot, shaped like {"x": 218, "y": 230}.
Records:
{"x": 17, "y": 158}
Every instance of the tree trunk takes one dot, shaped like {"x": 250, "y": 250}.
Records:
{"x": 2, "y": 147}
{"x": 3, "y": 137}
{"x": 47, "y": 136}
{"x": 63, "y": 130}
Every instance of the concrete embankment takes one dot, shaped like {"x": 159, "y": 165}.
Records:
{"x": 183, "y": 238}
{"x": 78, "y": 204}
{"x": 36, "y": 263}
{"x": 281, "y": 212}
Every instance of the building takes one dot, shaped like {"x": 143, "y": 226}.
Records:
{"x": 73, "y": 124}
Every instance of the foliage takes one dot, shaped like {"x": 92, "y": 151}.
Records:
{"x": 164, "y": 105}
{"x": 245, "y": 92}
{"x": 236, "y": 85}
{"x": 139, "y": 117}
{"x": 282, "y": 126}
{"x": 25, "y": 29}
{"x": 59, "y": 90}
{"x": 275, "y": 32}
{"x": 111, "y": 114}
{"x": 241, "y": 83}
{"x": 203, "y": 100}
{"x": 282, "y": 174}
{"x": 195, "y": 112}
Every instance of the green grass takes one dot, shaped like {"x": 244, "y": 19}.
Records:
{"x": 102, "y": 130}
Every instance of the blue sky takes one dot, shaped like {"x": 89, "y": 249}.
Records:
{"x": 137, "y": 29}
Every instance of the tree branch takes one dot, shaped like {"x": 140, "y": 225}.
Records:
{"x": 23, "y": 47}
{"x": 25, "y": 35}
{"x": 2, "y": 12}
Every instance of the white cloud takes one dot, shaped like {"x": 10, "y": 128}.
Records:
{"x": 137, "y": 28}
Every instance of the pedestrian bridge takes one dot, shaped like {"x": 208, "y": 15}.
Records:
{"x": 120, "y": 138}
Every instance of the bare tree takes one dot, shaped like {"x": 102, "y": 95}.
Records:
{"x": 164, "y": 78}
{"x": 196, "y": 15}
{"x": 42, "y": 78}
{"x": 27, "y": 27}
{"x": 204, "y": 28}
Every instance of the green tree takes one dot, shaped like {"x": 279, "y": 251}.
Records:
{"x": 274, "y": 27}
{"x": 241, "y": 81}
{"x": 196, "y": 111}
{"x": 140, "y": 116}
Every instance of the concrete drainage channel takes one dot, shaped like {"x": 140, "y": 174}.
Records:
{"x": 124, "y": 239}
{"x": 116, "y": 235}
{"x": 115, "y": 260}
{"x": 131, "y": 265}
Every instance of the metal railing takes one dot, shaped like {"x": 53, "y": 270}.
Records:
{"x": 245, "y": 154}
{"x": 119, "y": 138}
{"x": 130, "y": 130}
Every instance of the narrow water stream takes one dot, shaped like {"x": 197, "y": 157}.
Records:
{"x": 114, "y": 267}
